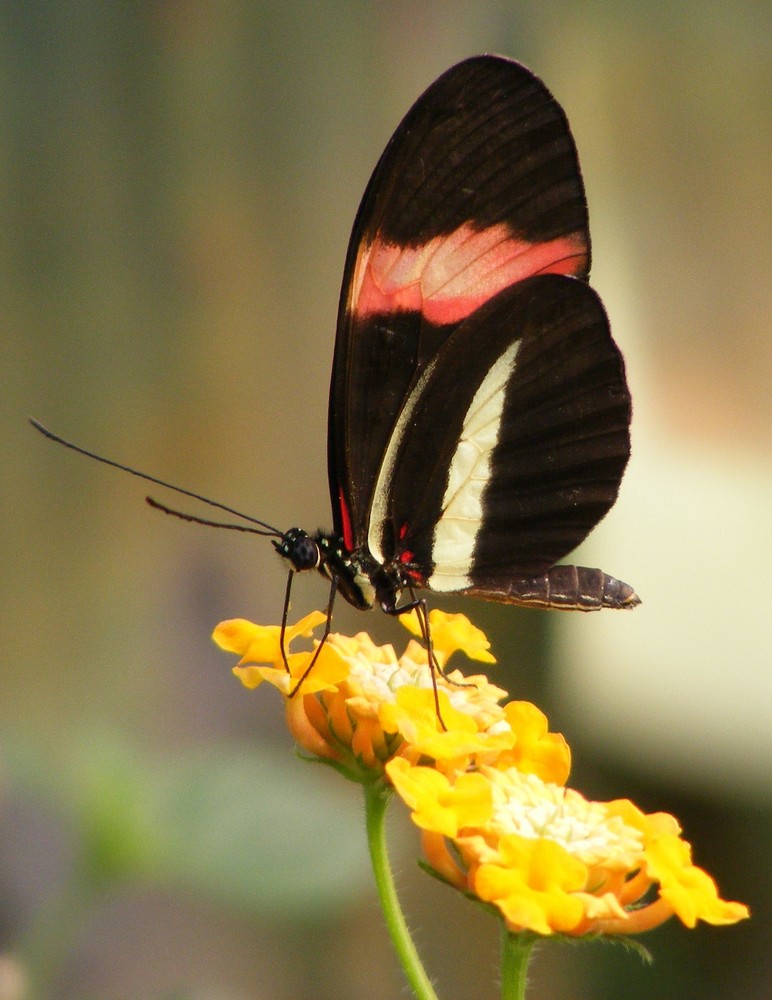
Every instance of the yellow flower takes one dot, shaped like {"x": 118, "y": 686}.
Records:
{"x": 552, "y": 861}
{"x": 360, "y": 704}
{"x": 485, "y": 781}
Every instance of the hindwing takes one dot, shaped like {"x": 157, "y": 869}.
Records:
{"x": 512, "y": 448}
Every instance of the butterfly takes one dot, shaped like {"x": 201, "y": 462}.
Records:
{"x": 479, "y": 415}
{"x": 478, "y": 423}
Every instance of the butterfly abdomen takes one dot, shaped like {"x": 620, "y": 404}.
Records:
{"x": 562, "y": 588}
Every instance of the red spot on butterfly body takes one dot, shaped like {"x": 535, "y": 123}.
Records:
{"x": 345, "y": 520}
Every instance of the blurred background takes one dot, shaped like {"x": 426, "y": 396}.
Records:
{"x": 178, "y": 184}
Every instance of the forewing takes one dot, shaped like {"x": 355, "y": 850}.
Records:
{"x": 512, "y": 447}
{"x": 478, "y": 189}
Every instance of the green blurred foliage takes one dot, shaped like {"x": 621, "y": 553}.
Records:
{"x": 230, "y": 822}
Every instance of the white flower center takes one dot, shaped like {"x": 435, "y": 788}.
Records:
{"x": 527, "y": 806}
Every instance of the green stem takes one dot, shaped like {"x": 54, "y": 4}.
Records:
{"x": 516, "y": 951}
{"x": 376, "y": 800}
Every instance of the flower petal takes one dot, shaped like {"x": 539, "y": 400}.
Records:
{"x": 439, "y": 804}
{"x": 690, "y": 891}
{"x": 536, "y": 750}
{"x": 451, "y": 633}
{"x": 533, "y": 885}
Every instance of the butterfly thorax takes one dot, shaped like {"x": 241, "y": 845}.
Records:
{"x": 352, "y": 576}
{"x": 359, "y": 578}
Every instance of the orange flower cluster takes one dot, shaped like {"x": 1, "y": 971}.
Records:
{"x": 486, "y": 784}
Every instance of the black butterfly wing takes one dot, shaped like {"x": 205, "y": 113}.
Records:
{"x": 478, "y": 189}
{"x": 511, "y": 448}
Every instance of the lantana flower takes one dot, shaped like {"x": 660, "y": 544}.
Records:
{"x": 486, "y": 784}
{"x": 552, "y": 861}
{"x": 361, "y": 704}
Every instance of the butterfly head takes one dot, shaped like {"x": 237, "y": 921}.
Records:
{"x": 299, "y": 549}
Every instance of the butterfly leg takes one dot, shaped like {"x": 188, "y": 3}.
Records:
{"x": 327, "y": 629}
{"x": 285, "y": 612}
{"x": 418, "y": 604}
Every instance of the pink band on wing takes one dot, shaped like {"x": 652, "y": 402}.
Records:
{"x": 451, "y": 276}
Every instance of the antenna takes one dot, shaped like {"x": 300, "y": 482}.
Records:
{"x": 183, "y": 516}
{"x": 269, "y": 529}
